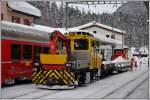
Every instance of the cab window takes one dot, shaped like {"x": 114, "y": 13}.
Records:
{"x": 81, "y": 44}
{"x": 45, "y": 50}
{"x": 61, "y": 48}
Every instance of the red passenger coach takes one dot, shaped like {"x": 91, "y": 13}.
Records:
{"x": 20, "y": 46}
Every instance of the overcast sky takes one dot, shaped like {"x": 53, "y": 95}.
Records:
{"x": 99, "y": 8}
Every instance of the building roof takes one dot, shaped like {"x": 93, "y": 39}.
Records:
{"x": 24, "y": 7}
{"x": 93, "y": 23}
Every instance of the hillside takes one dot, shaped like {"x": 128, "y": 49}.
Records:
{"x": 131, "y": 17}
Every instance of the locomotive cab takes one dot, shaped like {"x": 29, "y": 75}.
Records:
{"x": 85, "y": 50}
{"x": 52, "y": 69}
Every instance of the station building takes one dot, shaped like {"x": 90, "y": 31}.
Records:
{"x": 19, "y": 12}
{"x": 107, "y": 31}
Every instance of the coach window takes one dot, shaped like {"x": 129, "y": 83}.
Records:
{"x": 27, "y": 52}
{"x": 37, "y": 50}
{"x": 45, "y": 50}
{"x": 15, "y": 51}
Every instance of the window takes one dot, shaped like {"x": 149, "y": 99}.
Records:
{"x": 107, "y": 36}
{"x": 113, "y": 36}
{"x": 37, "y": 49}
{"x": 94, "y": 32}
{"x": 15, "y": 51}
{"x": 2, "y": 16}
{"x": 45, "y": 50}
{"x": 15, "y": 19}
{"x": 26, "y": 22}
{"x": 81, "y": 44}
{"x": 78, "y": 33}
{"x": 27, "y": 52}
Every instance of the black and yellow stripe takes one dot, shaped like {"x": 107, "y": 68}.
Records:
{"x": 65, "y": 77}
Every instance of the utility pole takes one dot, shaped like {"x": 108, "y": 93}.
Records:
{"x": 66, "y": 15}
{"x": 46, "y": 13}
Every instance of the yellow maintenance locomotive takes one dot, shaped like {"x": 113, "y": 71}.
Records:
{"x": 74, "y": 58}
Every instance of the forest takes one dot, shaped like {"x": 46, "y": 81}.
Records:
{"x": 131, "y": 17}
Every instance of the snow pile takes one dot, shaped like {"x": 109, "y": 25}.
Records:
{"x": 24, "y": 7}
{"x": 119, "y": 59}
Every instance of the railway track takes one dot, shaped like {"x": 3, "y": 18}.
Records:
{"x": 127, "y": 88}
{"x": 30, "y": 90}
{"x": 42, "y": 92}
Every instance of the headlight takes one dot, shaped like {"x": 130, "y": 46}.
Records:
{"x": 36, "y": 64}
{"x": 68, "y": 64}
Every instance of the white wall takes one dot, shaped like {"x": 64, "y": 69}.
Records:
{"x": 104, "y": 32}
{"x": 107, "y": 48}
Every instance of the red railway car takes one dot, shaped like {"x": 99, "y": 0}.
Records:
{"x": 120, "y": 52}
{"x": 20, "y": 45}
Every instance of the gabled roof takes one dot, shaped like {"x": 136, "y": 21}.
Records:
{"x": 24, "y": 7}
{"x": 93, "y": 23}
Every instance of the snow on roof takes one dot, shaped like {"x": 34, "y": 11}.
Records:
{"x": 103, "y": 39}
{"x": 100, "y": 25}
{"x": 49, "y": 29}
{"x": 43, "y": 31}
{"x": 119, "y": 59}
{"x": 39, "y": 28}
{"x": 24, "y": 7}
{"x": 19, "y": 31}
{"x": 106, "y": 40}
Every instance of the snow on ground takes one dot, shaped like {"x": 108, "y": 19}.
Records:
{"x": 124, "y": 91}
{"x": 141, "y": 92}
{"x": 97, "y": 89}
